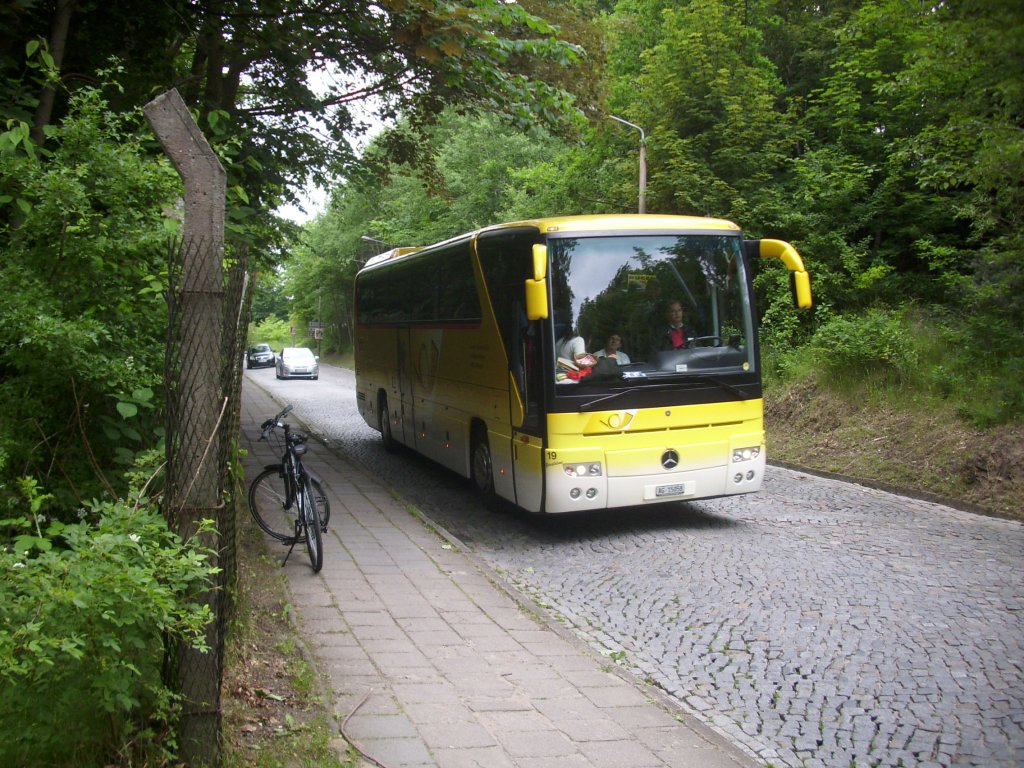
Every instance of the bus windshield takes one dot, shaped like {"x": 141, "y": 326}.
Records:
{"x": 649, "y": 309}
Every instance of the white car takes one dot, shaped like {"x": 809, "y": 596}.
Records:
{"x": 298, "y": 363}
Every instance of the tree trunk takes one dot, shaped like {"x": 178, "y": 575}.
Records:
{"x": 58, "y": 41}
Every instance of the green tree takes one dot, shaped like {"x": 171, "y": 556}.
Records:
{"x": 83, "y": 316}
{"x": 717, "y": 140}
{"x": 80, "y": 205}
{"x": 970, "y": 154}
{"x": 269, "y": 298}
{"x": 326, "y": 257}
{"x": 274, "y": 82}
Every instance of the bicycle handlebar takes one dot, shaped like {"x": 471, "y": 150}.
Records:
{"x": 270, "y": 425}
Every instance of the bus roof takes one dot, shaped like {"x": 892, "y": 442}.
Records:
{"x": 591, "y": 223}
{"x": 394, "y": 253}
{"x": 620, "y": 221}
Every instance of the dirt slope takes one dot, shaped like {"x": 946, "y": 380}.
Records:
{"x": 926, "y": 451}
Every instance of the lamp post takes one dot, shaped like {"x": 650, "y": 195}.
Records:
{"x": 382, "y": 246}
{"x": 643, "y": 161}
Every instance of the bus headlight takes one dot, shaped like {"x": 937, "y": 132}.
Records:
{"x": 593, "y": 469}
{"x": 746, "y": 454}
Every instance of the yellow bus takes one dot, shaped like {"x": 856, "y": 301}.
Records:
{"x": 537, "y": 358}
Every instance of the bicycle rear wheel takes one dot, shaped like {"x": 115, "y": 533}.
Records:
{"x": 271, "y": 507}
{"x": 311, "y": 526}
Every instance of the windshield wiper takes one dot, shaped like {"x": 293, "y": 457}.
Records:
{"x": 740, "y": 394}
{"x": 690, "y": 379}
{"x": 615, "y": 395}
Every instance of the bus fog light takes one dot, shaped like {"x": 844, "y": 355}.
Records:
{"x": 746, "y": 454}
{"x": 574, "y": 493}
{"x": 738, "y": 477}
{"x": 750, "y": 475}
{"x": 591, "y": 493}
{"x": 593, "y": 469}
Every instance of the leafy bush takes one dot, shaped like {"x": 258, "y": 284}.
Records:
{"x": 876, "y": 342}
{"x": 990, "y": 394}
{"x": 273, "y": 331}
{"x": 83, "y": 253}
{"x": 86, "y": 611}
{"x": 916, "y": 352}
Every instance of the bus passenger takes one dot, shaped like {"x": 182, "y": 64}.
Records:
{"x": 613, "y": 350}
{"x": 569, "y": 343}
{"x": 570, "y": 346}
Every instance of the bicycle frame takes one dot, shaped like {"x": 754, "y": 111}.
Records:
{"x": 299, "y": 493}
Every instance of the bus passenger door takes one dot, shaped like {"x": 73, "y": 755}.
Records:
{"x": 526, "y": 391}
{"x": 528, "y": 454}
{"x": 406, "y": 410}
{"x": 506, "y": 259}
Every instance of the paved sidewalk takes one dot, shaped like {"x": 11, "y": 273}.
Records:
{"x": 433, "y": 661}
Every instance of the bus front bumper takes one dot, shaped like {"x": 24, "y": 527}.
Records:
{"x": 565, "y": 493}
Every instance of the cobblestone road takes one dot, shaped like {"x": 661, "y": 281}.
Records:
{"x": 817, "y": 623}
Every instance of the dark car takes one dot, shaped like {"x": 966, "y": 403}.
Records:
{"x": 260, "y": 356}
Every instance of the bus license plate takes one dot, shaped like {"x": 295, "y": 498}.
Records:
{"x": 670, "y": 490}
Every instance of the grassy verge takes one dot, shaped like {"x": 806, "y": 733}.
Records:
{"x": 900, "y": 398}
{"x": 884, "y": 435}
{"x": 342, "y": 360}
{"x": 275, "y": 712}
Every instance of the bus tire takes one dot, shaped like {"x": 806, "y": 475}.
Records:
{"x": 482, "y": 464}
{"x": 384, "y": 425}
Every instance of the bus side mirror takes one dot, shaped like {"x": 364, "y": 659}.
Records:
{"x": 536, "y": 299}
{"x": 800, "y": 287}
{"x": 540, "y": 262}
{"x": 799, "y": 280}
{"x": 537, "y": 288}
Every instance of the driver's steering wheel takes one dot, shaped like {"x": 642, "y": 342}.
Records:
{"x": 704, "y": 341}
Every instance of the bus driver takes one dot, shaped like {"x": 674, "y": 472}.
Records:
{"x": 675, "y": 335}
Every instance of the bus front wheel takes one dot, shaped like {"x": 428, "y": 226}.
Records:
{"x": 481, "y": 467}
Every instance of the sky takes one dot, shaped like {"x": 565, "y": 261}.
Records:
{"x": 313, "y": 201}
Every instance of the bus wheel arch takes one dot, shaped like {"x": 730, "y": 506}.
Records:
{"x": 481, "y": 461}
{"x": 384, "y": 423}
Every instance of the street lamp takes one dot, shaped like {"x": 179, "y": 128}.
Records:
{"x": 643, "y": 161}
{"x": 381, "y": 246}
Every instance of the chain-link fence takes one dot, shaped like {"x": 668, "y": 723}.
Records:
{"x": 209, "y": 309}
{"x": 203, "y": 376}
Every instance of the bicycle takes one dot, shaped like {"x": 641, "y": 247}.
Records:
{"x": 286, "y": 500}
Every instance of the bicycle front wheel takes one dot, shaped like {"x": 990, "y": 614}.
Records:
{"x": 323, "y": 504}
{"x": 273, "y": 508}
{"x": 311, "y": 526}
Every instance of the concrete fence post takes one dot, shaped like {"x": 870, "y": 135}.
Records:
{"x": 196, "y": 401}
